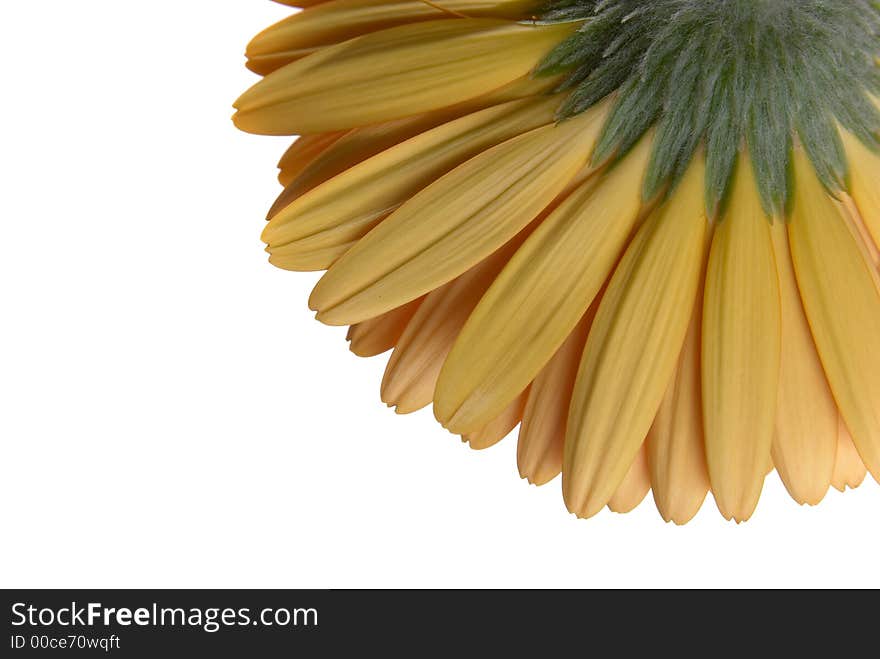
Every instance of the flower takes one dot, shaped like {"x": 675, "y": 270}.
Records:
{"x": 648, "y": 233}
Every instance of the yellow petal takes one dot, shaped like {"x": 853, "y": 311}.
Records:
{"x": 303, "y": 152}
{"x": 352, "y": 147}
{"x": 358, "y": 144}
{"x": 376, "y": 335}
{"x": 267, "y": 63}
{"x": 321, "y": 249}
{"x": 634, "y": 487}
{"x": 499, "y": 427}
{"x": 634, "y": 346}
{"x": 334, "y": 22}
{"x": 849, "y": 470}
{"x": 539, "y": 297}
{"x": 857, "y": 226}
{"x": 675, "y": 443}
{"x": 394, "y": 73}
{"x": 806, "y": 415}
{"x": 303, "y": 257}
{"x": 299, "y": 3}
{"x": 412, "y": 371}
{"x": 347, "y": 206}
{"x": 864, "y": 174}
{"x": 542, "y": 433}
{"x": 842, "y": 303}
{"x": 455, "y": 222}
{"x": 741, "y": 348}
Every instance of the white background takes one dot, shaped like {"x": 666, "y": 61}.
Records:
{"x": 173, "y": 416}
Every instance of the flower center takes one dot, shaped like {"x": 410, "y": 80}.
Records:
{"x": 728, "y": 75}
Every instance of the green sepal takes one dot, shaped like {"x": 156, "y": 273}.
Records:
{"x": 729, "y": 75}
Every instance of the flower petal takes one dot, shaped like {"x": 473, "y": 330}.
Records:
{"x": 302, "y": 153}
{"x": 412, "y": 371}
{"x": 740, "y": 350}
{"x": 540, "y": 296}
{"x": 300, "y": 3}
{"x": 634, "y": 487}
{"x": 455, "y": 222}
{"x": 542, "y": 433}
{"x": 675, "y": 443}
{"x": 634, "y": 346}
{"x": 374, "y": 336}
{"x": 864, "y": 173}
{"x": 842, "y": 302}
{"x": 499, "y": 427}
{"x": 849, "y": 470}
{"x": 347, "y": 206}
{"x": 394, "y": 73}
{"x": 334, "y": 22}
{"x": 857, "y": 225}
{"x": 358, "y": 144}
{"x": 806, "y": 415}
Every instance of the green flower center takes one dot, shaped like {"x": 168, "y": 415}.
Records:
{"x": 729, "y": 75}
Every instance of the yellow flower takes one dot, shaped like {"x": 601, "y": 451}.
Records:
{"x": 656, "y": 253}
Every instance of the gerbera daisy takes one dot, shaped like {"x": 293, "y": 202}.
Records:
{"x": 645, "y": 232}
